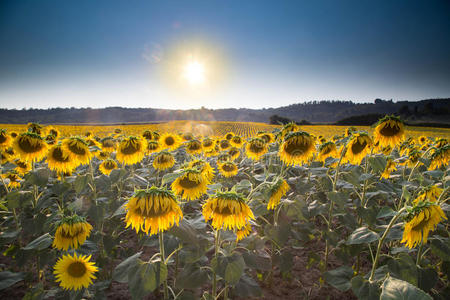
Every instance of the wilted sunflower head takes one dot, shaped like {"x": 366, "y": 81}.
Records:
{"x": 204, "y": 167}
{"x": 13, "y": 134}
{"x": 23, "y": 167}
{"x": 326, "y": 150}
{"x": 194, "y": 146}
{"x": 227, "y": 210}
{"x": 440, "y": 143}
{"x": 108, "y": 144}
{"x": 50, "y": 130}
{"x": 153, "y": 146}
{"x": 131, "y": 150}
{"x": 107, "y": 166}
{"x": 389, "y": 131}
{"x": 288, "y": 128}
{"x": 207, "y": 143}
{"x": 88, "y": 134}
{"x": 440, "y": 157}
{"x": 358, "y": 147}
{"x": 163, "y": 160}
{"x": 190, "y": 185}
{"x": 117, "y": 130}
{"x": 297, "y": 148}
{"x": 5, "y": 140}
{"x": 255, "y": 148}
{"x": 147, "y": 134}
{"x": 35, "y": 128}
{"x": 421, "y": 219}
{"x": 228, "y": 169}
{"x": 430, "y": 193}
{"x": 389, "y": 168}
{"x": 277, "y": 190}
{"x": 170, "y": 141}
{"x": 102, "y": 155}
{"x": 423, "y": 139}
{"x": 30, "y": 146}
{"x": 78, "y": 149}
{"x": 229, "y": 136}
{"x": 154, "y": 210}
{"x": 237, "y": 141}
{"x": 59, "y": 160}
{"x": 71, "y": 232}
{"x": 14, "y": 179}
{"x": 243, "y": 232}
{"x": 267, "y": 137}
{"x": 350, "y": 130}
{"x": 234, "y": 153}
{"x": 50, "y": 139}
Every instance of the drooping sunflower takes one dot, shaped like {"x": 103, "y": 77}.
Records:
{"x": 390, "y": 131}
{"x": 23, "y": 167}
{"x": 237, "y": 141}
{"x": 153, "y": 146}
{"x": 440, "y": 157}
{"x": 50, "y": 139}
{"x": 102, "y": 155}
{"x": 267, "y": 137}
{"x": 71, "y": 232}
{"x": 163, "y": 160}
{"x": 156, "y": 135}
{"x": 35, "y": 128}
{"x": 390, "y": 167}
{"x": 204, "y": 167}
{"x": 30, "y": 146}
{"x": 297, "y": 148}
{"x": 194, "y": 146}
{"x": 430, "y": 193}
{"x": 229, "y": 136}
{"x": 234, "y": 153}
{"x": 422, "y": 219}
{"x": 208, "y": 144}
{"x": 187, "y": 136}
{"x": 190, "y": 185}
{"x": 255, "y": 148}
{"x": 349, "y": 131}
{"x": 212, "y": 152}
{"x": 147, "y": 134}
{"x": 326, "y": 150}
{"x": 170, "y": 141}
{"x": 4, "y": 157}
{"x": 5, "y": 140}
{"x": 413, "y": 157}
{"x": 74, "y": 272}
{"x": 14, "y": 179}
{"x": 223, "y": 157}
{"x": 227, "y": 210}
{"x": 107, "y": 166}
{"x": 278, "y": 190}
{"x": 131, "y": 150}
{"x": 107, "y": 144}
{"x": 12, "y": 154}
{"x": 228, "y": 169}
{"x": 78, "y": 149}
{"x": 50, "y": 130}
{"x": 224, "y": 144}
{"x": 358, "y": 147}
{"x": 440, "y": 143}
{"x": 59, "y": 160}
{"x": 287, "y": 128}
{"x": 243, "y": 232}
{"x": 154, "y": 210}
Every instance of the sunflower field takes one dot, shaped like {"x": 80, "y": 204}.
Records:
{"x": 224, "y": 210}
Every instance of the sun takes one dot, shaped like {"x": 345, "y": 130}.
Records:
{"x": 194, "y": 73}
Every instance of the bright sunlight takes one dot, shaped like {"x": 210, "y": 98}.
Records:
{"x": 194, "y": 73}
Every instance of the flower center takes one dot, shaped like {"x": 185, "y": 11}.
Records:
{"x": 74, "y": 148}
{"x": 27, "y": 145}
{"x": 296, "y": 148}
{"x": 186, "y": 183}
{"x": 2, "y": 138}
{"x": 58, "y": 155}
{"x": 358, "y": 147}
{"x": 224, "y": 144}
{"x": 390, "y": 131}
{"x": 77, "y": 269}
{"x": 109, "y": 165}
{"x": 228, "y": 167}
{"x": 169, "y": 141}
{"x": 130, "y": 149}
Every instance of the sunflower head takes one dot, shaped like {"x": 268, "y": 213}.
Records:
{"x": 131, "y": 150}
{"x": 204, "y": 167}
{"x": 229, "y": 136}
{"x": 224, "y": 144}
{"x": 147, "y": 134}
{"x": 78, "y": 149}
{"x": 350, "y": 130}
{"x": 5, "y": 140}
{"x": 23, "y": 167}
{"x": 237, "y": 141}
{"x": 389, "y": 131}
{"x": 288, "y": 128}
{"x": 187, "y": 136}
{"x": 430, "y": 193}
{"x": 277, "y": 190}
{"x": 13, "y": 134}
{"x": 71, "y": 232}
{"x": 207, "y": 143}
{"x": 267, "y": 137}
{"x": 227, "y": 210}
{"x": 74, "y": 272}
{"x": 153, "y": 146}
{"x": 107, "y": 166}
{"x": 390, "y": 167}
{"x": 255, "y": 148}
{"x": 14, "y": 179}
{"x": 30, "y": 146}
{"x": 297, "y": 148}
{"x": 35, "y": 128}
{"x": 107, "y": 144}
{"x": 102, "y": 155}
{"x": 59, "y": 160}
{"x": 154, "y": 210}
{"x": 423, "y": 139}
{"x": 358, "y": 147}
{"x": 243, "y": 232}
{"x": 50, "y": 130}
{"x": 170, "y": 141}
{"x": 117, "y": 130}
{"x": 326, "y": 150}
{"x": 194, "y": 146}
{"x": 228, "y": 169}
{"x": 50, "y": 139}
{"x": 190, "y": 185}
{"x": 163, "y": 160}
{"x": 234, "y": 153}
{"x": 440, "y": 157}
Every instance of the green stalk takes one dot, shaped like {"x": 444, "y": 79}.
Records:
{"x": 419, "y": 254}
{"x": 216, "y": 251}
{"x": 163, "y": 260}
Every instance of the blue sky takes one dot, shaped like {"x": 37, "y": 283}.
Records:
{"x": 262, "y": 53}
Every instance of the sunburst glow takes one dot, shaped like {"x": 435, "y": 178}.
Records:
{"x": 194, "y": 73}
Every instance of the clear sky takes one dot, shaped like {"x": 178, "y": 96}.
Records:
{"x": 188, "y": 54}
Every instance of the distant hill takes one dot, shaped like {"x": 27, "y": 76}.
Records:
{"x": 324, "y": 112}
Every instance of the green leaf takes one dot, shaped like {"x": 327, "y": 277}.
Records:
{"x": 191, "y": 277}
{"x": 247, "y": 288}
{"x": 395, "y": 289}
{"x": 41, "y": 243}
{"x": 365, "y": 290}
{"x": 18, "y": 199}
{"x": 340, "y": 278}
{"x": 185, "y": 232}
{"x": 234, "y": 269}
{"x": 362, "y": 235}
{"x": 145, "y": 277}
{"x": 404, "y": 268}
{"x": 8, "y": 279}
{"x": 378, "y": 163}
{"x": 441, "y": 248}
{"x": 120, "y": 273}
{"x": 428, "y": 278}
{"x": 244, "y": 186}
{"x": 39, "y": 177}
{"x": 286, "y": 261}
{"x": 257, "y": 262}
{"x": 80, "y": 183}
{"x": 168, "y": 178}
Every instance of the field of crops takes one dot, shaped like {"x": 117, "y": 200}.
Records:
{"x": 224, "y": 210}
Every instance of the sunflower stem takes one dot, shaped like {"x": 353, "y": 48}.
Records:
{"x": 216, "y": 251}
{"x": 163, "y": 260}
{"x": 419, "y": 253}
{"x": 380, "y": 242}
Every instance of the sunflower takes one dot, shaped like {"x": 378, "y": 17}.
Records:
{"x": 156, "y": 135}
{"x": 422, "y": 218}
{"x": 5, "y": 140}
{"x": 287, "y": 128}
{"x": 212, "y": 152}
{"x": 423, "y": 139}
{"x": 154, "y": 210}
{"x": 430, "y": 193}
{"x": 440, "y": 157}
{"x": 187, "y": 136}
{"x": 390, "y": 167}
{"x": 255, "y": 148}
{"x": 170, "y": 141}
{"x": 107, "y": 166}
{"x": 4, "y": 157}
{"x": 71, "y": 232}
{"x": 23, "y": 167}
{"x": 92, "y": 142}
{"x": 278, "y": 190}
{"x": 389, "y": 131}
{"x": 107, "y": 144}
{"x": 50, "y": 130}
{"x": 12, "y": 155}
{"x": 440, "y": 143}
{"x": 35, "y": 128}
{"x": 326, "y": 150}
{"x": 59, "y": 160}
{"x": 163, "y": 160}
{"x": 204, "y": 167}
{"x": 267, "y": 137}
{"x": 208, "y": 144}
{"x": 227, "y": 210}
{"x": 349, "y": 131}
{"x": 298, "y": 147}
{"x": 234, "y": 153}
{"x": 117, "y": 130}
{"x": 224, "y": 144}
{"x": 78, "y": 149}
{"x": 228, "y": 169}
{"x": 74, "y": 272}
{"x": 190, "y": 185}
{"x": 88, "y": 134}
{"x": 243, "y": 232}
{"x": 50, "y": 139}
{"x": 153, "y": 146}
{"x": 413, "y": 157}
{"x": 30, "y": 146}
{"x": 131, "y": 150}
{"x": 102, "y": 155}
{"x": 194, "y": 147}
{"x": 237, "y": 141}
{"x": 147, "y": 135}
{"x": 229, "y": 136}
{"x": 13, "y": 134}
{"x": 358, "y": 147}
{"x": 14, "y": 179}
